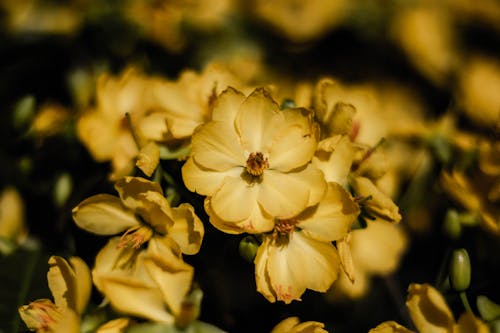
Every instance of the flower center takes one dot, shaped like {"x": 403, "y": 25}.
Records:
{"x": 135, "y": 237}
{"x": 283, "y": 230}
{"x": 256, "y": 164}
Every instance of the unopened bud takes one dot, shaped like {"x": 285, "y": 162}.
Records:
{"x": 460, "y": 270}
{"x": 248, "y": 248}
{"x": 452, "y": 226}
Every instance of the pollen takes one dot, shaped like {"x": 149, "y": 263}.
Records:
{"x": 256, "y": 164}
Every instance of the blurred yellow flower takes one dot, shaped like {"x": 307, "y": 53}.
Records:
{"x": 477, "y": 93}
{"x": 13, "y": 229}
{"x": 182, "y": 105}
{"x": 70, "y": 285}
{"x": 426, "y": 33}
{"x": 301, "y": 21}
{"x": 50, "y": 120}
{"x": 375, "y": 250}
{"x": 293, "y": 325}
{"x": 106, "y": 129}
{"x": 298, "y": 254}
{"x": 166, "y": 21}
{"x": 430, "y": 313}
{"x": 253, "y": 162}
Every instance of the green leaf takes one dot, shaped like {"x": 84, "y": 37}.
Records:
{"x": 22, "y": 280}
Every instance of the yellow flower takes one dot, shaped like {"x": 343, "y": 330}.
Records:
{"x": 143, "y": 213}
{"x": 293, "y": 325}
{"x": 375, "y": 250}
{"x": 13, "y": 229}
{"x": 301, "y": 21}
{"x": 478, "y": 84}
{"x": 426, "y": 34}
{"x": 119, "y": 325}
{"x": 431, "y": 314}
{"x": 105, "y": 130}
{"x": 182, "y": 105}
{"x": 298, "y": 254}
{"x": 70, "y": 285}
{"x": 124, "y": 272}
{"x": 150, "y": 283}
{"x": 50, "y": 120}
{"x": 253, "y": 162}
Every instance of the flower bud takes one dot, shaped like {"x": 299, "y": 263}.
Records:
{"x": 452, "y": 226}
{"x": 248, "y": 248}
{"x": 487, "y": 309}
{"x": 460, "y": 270}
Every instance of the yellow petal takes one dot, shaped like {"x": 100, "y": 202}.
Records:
{"x": 284, "y": 195}
{"x": 227, "y": 105}
{"x": 332, "y": 218}
{"x": 286, "y": 325}
{"x": 187, "y": 230}
{"x": 334, "y": 158}
{"x": 153, "y": 126}
{"x": 460, "y": 189}
{"x": 302, "y": 264}
{"x": 69, "y": 323}
{"x": 135, "y": 298}
{"x": 235, "y": 200}
{"x": 346, "y": 258}
{"x": 380, "y": 205}
{"x": 83, "y": 283}
{"x": 118, "y": 325}
{"x": 262, "y": 279}
{"x": 103, "y": 214}
{"x": 295, "y": 144}
{"x": 216, "y": 146}
{"x": 62, "y": 283}
{"x": 205, "y": 181}
{"x": 40, "y": 314}
{"x": 172, "y": 275}
{"x": 130, "y": 188}
{"x": 258, "y": 120}
{"x": 12, "y": 223}
{"x": 258, "y": 221}
{"x": 148, "y": 158}
{"x": 428, "y": 309}
{"x": 390, "y": 327}
{"x": 378, "y": 248}
{"x": 468, "y": 323}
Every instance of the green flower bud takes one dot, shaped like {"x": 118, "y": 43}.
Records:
{"x": 24, "y": 110}
{"x": 62, "y": 188}
{"x": 452, "y": 226}
{"x": 460, "y": 270}
{"x": 248, "y": 248}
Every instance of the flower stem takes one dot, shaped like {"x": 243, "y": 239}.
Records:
{"x": 465, "y": 301}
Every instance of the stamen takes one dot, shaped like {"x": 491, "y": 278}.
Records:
{"x": 135, "y": 237}
{"x": 256, "y": 164}
{"x": 283, "y": 230}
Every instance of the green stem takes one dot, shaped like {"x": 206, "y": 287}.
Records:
{"x": 465, "y": 301}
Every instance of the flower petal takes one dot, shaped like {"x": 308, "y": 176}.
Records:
{"x": 205, "y": 181}
{"x": 83, "y": 283}
{"x": 468, "y": 323}
{"x": 129, "y": 189}
{"x": 148, "y": 158}
{"x": 334, "y": 158}
{"x": 187, "y": 230}
{"x": 227, "y": 105}
{"x": 216, "y": 146}
{"x": 428, "y": 309}
{"x": 261, "y": 274}
{"x": 103, "y": 214}
{"x": 390, "y": 327}
{"x": 235, "y": 200}
{"x": 62, "y": 283}
{"x": 172, "y": 275}
{"x": 258, "y": 120}
{"x": 295, "y": 144}
{"x": 302, "y": 264}
{"x": 380, "y": 205}
{"x": 331, "y": 219}
{"x": 285, "y": 195}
